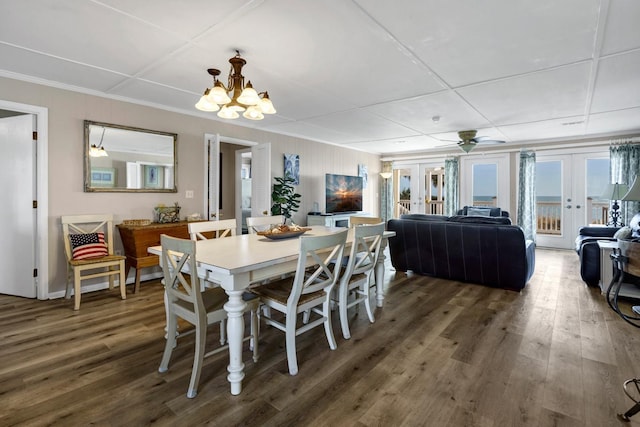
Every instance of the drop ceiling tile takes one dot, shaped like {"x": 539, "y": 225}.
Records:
{"x": 411, "y": 144}
{"x": 621, "y": 31}
{"x": 561, "y": 92}
{"x": 417, "y": 113}
{"x": 309, "y": 131}
{"x": 546, "y": 129}
{"x": 361, "y": 126}
{"x": 35, "y": 65}
{"x": 175, "y": 16}
{"x": 156, "y": 94}
{"x": 477, "y": 41}
{"x": 617, "y": 86}
{"x": 625, "y": 121}
{"x": 85, "y": 32}
{"x": 332, "y": 46}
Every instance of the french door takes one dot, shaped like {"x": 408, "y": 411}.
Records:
{"x": 569, "y": 194}
{"x": 419, "y": 189}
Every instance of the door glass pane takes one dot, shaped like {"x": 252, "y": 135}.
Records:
{"x": 485, "y": 184}
{"x": 434, "y": 194}
{"x": 597, "y": 176}
{"x": 549, "y": 197}
{"x": 404, "y": 193}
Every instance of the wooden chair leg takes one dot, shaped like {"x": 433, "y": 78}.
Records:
{"x": 76, "y": 289}
{"x": 123, "y": 281}
{"x": 290, "y": 334}
{"x": 201, "y": 337}
{"x": 172, "y": 324}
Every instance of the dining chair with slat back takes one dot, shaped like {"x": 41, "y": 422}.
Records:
{"x": 214, "y": 229}
{"x": 261, "y": 223}
{"x": 88, "y": 246}
{"x": 186, "y": 300}
{"x": 355, "y": 279}
{"x": 363, "y": 220}
{"x": 310, "y": 289}
{"x": 204, "y": 230}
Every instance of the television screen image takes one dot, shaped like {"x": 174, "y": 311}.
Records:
{"x": 343, "y": 193}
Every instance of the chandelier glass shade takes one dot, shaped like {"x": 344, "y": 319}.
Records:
{"x": 236, "y": 97}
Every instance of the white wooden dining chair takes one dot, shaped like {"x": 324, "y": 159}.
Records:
{"x": 186, "y": 300}
{"x": 262, "y": 223}
{"x": 310, "y": 289}
{"x": 363, "y": 220}
{"x": 355, "y": 280}
{"x": 203, "y": 230}
{"x": 88, "y": 246}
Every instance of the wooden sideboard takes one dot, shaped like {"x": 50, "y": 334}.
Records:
{"x": 137, "y": 238}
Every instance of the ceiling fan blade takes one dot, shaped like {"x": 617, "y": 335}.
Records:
{"x": 487, "y": 140}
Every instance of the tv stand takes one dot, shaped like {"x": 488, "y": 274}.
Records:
{"x": 333, "y": 220}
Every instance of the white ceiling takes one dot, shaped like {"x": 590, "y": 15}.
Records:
{"x": 367, "y": 74}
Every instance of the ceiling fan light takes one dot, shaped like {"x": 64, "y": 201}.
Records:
{"x": 253, "y": 113}
{"x": 227, "y": 113}
{"x": 266, "y": 105}
{"x": 249, "y": 96}
{"x": 467, "y": 146}
{"x": 218, "y": 95}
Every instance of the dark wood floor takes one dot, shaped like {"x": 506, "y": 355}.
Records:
{"x": 440, "y": 353}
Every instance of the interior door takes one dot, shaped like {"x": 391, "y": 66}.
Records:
{"x": 17, "y": 216}
{"x": 261, "y": 179}
{"x": 213, "y": 177}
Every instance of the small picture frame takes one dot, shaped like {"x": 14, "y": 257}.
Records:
{"x": 103, "y": 177}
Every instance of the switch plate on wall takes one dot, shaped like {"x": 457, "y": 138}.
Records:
{"x": 189, "y": 194}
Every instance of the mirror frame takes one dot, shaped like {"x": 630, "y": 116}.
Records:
{"x": 87, "y": 161}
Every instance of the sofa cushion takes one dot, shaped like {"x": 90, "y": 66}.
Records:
{"x": 480, "y": 210}
{"x": 623, "y": 233}
{"x": 481, "y": 219}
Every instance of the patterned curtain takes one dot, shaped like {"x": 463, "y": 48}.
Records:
{"x": 386, "y": 199}
{"x": 526, "y": 217}
{"x": 451, "y": 184}
{"x": 624, "y": 166}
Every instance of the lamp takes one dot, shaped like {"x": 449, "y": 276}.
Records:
{"x": 98, "y": 150}
{"x": 615, "y": 192}
{"x": 385, "y": 175}
{"x": 243, "y": 97}
{"x": 467, "y": 146}
{"x": 633, "y": 195}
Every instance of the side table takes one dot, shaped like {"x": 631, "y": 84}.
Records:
{"x": 606, "y": 271}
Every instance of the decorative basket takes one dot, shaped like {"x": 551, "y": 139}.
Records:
{"x": 136, "y": 221}
{"x": 167, "y": 214}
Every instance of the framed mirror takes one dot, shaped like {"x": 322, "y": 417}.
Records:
{"x": 127, "y": 159}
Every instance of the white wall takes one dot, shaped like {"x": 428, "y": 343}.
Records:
{"x": 68, "y": 110}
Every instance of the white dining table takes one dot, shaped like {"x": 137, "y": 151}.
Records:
{"x": 238, "y": 261}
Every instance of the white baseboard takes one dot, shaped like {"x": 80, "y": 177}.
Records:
{"x": 105, "y": 284}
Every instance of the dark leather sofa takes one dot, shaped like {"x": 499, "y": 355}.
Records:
{"x": 483, "y": 250}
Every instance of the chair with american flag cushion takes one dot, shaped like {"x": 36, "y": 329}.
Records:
{"x": 88, "y": 246}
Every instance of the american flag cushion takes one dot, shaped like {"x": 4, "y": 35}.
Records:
{"x": 87, "y": 246}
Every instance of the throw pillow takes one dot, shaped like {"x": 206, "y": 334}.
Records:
{"x": 88, "y": 245}
{"x": 478, "y": 211}
{"x": 624, "y": 233}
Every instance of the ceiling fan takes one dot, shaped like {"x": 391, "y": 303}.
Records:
{"x": 468, "y": 140}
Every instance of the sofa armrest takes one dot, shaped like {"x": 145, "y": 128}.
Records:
{"x": 597, "y": 231}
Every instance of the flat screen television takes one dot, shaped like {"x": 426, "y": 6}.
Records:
{"x": 343, "y": 193}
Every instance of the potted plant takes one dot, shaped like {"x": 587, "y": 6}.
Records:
{"x": 285, "y": 201}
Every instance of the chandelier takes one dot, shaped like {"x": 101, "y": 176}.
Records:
{"x": 98, "y": 150}
{"x": 243, "y": 97}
